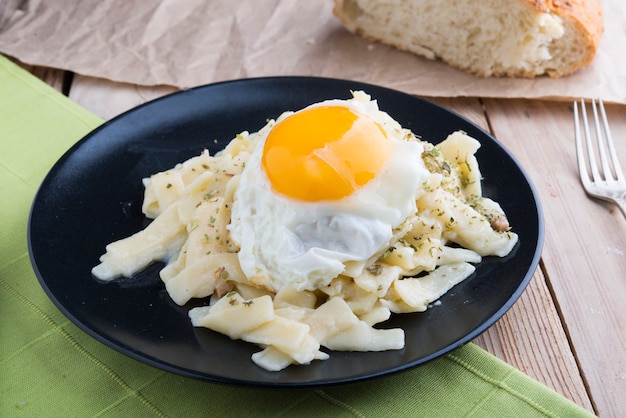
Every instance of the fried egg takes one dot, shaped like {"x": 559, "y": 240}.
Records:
{"x": 325, "y": 186}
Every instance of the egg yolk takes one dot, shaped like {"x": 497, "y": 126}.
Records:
{"x": 324, "y": 153}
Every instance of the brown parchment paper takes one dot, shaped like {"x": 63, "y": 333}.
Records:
{"x": 193, "y": 42}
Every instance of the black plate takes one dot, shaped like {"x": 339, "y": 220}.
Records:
{"x": 93, "y": 196}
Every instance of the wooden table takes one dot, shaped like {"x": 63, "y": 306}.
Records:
{"x": 568, "y": 330}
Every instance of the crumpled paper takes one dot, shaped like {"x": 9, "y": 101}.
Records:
{"x": 195, "y": 42}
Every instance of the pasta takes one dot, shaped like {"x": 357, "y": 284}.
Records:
{"x": 430, "y": 252}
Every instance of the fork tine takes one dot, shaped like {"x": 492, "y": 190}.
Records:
{"x": 613, "y": 186}
{"x": 595, "y": 174}
{"x": 580, "y": 153}
{"x": 619, "y": 174}
{"x": 600, "y": 140}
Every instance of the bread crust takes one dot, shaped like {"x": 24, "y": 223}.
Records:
{"x": 584, "y": 17}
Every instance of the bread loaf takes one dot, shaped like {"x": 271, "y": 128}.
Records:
{"x": 513, "y": 38}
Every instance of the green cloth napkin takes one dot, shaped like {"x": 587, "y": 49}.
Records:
{"x": 49, "y": 367}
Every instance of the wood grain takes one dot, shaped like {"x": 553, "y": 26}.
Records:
{"x": 58, "y": 79}
{"x": 585, "y": 246}
{"x": 469, "y": 107}
{"x": 530, "y": 336}
{"x": 107, "y": 99}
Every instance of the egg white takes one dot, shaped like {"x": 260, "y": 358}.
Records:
{"x": 287, "y": 242}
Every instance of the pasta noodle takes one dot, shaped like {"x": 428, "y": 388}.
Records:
{"x": 432, "y": 251}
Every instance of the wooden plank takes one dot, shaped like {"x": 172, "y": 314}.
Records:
{"x": 59, "y": 79}
{"x": 468, "y": 107}
{"x": 530, "y": 336}
{"x": 107, "y": 99}
{"x": 585, "y": 246}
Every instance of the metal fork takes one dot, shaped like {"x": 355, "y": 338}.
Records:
{"x": 606, "y": 181}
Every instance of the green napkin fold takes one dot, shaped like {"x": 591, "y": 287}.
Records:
{"x": 49, "y": 367}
